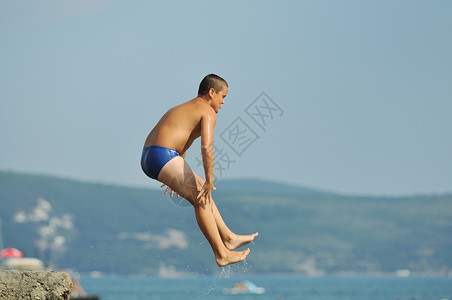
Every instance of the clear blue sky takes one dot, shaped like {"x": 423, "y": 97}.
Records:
{"x": 364, "y": 88}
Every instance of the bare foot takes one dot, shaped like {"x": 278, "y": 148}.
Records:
{"x": 232, "y": 257}
{"x": 237, "y": 241}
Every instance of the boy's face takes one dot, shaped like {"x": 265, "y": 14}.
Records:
{"x": 218, "y": 98}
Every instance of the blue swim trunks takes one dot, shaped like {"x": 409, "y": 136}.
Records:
{"x": 154, "y": 158}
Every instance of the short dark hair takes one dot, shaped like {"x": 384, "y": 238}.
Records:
{"x": 211, "y": 81}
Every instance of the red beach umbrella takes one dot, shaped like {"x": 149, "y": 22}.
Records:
{"x": 11, "y": 252}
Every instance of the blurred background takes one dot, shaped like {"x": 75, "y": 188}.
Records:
{"x": 364, "y": 87}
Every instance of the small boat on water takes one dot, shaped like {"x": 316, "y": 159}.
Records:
{"x": 244, "y": 287}
{"x": 25, "y": 263}
{"x": 14, "y": 259}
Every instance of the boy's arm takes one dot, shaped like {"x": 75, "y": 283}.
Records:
{"x": 207, "y": 128}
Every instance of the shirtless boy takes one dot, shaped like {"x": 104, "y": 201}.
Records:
{"x": 163, "y": 159}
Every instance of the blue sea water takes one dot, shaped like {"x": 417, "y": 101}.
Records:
{"x": 276, "y": 287}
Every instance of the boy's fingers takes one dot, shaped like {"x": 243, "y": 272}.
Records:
{"x": 166, "y": 191}
{"x": 203, "y": 194}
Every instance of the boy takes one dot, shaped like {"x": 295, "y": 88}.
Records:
{"x": 163, "y": 159}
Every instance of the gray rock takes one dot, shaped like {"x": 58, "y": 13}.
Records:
{"x": 34, "y": 285}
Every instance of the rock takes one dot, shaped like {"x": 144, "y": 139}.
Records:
{"x": 34, "y": 285}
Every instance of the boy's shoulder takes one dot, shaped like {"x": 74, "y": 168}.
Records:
{"x": 199, "y": 106}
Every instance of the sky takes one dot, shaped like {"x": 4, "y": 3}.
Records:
{"x": 353, "y": 97}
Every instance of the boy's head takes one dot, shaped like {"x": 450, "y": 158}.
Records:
{"x": 211, "y": 81}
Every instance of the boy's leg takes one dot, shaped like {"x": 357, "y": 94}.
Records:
{"x": 231, "y": 240}
{"x": 208, "y": 226}
{"x": 178, "y": 175}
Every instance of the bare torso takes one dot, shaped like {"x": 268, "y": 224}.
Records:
{"x": 180, "y": 126}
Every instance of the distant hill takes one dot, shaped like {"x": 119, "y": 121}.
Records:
{"x": 113, "y": 229}
{"x": 253, "y": 186}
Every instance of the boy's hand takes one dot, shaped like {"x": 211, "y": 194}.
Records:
{"x": 206, "y": 192}
{"x": 167, "y": 189}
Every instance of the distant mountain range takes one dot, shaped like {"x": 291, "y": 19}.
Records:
{"x": 253, "y": 186}
{"x": 122, "y": 230}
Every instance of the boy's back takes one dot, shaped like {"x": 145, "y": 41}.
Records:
{"x": 180, "y": 126}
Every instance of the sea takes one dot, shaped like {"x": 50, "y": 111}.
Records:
{"x": 277, "y": 287}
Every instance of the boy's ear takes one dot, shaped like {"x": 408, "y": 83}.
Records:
{"x": 211, "y": 92}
